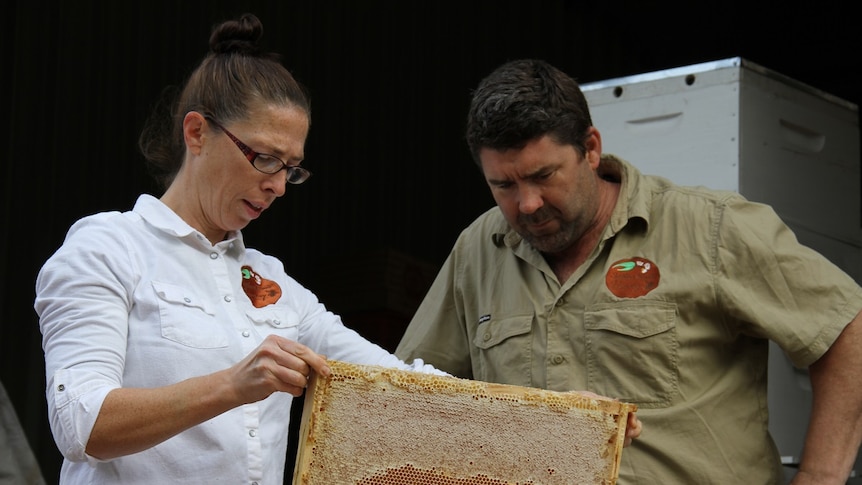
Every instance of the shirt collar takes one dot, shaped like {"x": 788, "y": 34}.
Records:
{"x": 160, "y": 216}
{"x": 633, "y": 203}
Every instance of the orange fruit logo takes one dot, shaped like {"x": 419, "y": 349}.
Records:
{"x": 260, "y": 291}
{"x": 632, "y": 277}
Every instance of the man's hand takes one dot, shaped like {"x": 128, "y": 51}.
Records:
{"x": 633, "y": 426}
{"x": 633, "y": 429}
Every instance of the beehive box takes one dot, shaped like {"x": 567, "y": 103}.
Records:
{"x": 369, "y": 425}
{"x": 735, "y": 125}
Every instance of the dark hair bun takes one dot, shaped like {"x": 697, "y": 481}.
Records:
{"x": 241, "y": 36}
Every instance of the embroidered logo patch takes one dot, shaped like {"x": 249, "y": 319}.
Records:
{"x": 260, "y": 291}
{"x": 632, "y": 277}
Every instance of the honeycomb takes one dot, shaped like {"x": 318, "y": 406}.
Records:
{"x": 370, "y": 425}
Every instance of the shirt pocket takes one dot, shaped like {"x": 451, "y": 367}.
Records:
{"x": 503, "y": 350}
{"x": 187, "y": 318}
{"x": 274, "y": 320}
{"x": 632, "y": 351}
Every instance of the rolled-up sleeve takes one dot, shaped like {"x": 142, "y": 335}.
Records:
{"x": 74, "y": 400}
{"x": 83, "y": 313}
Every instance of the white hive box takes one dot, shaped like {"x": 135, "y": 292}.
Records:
{"x": 735, "y": 125}
{"x": 370, "y": 425}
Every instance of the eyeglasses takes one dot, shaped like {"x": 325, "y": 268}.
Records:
{"x": 269, "y": 164}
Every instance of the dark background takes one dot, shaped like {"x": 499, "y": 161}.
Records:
{"x": 390, "y": 83}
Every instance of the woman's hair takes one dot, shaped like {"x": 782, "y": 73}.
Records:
{"x": 523, "y": 100}
{"x": 235, "y": 76}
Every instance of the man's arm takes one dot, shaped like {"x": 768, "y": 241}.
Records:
{"x": 835, "y": 429}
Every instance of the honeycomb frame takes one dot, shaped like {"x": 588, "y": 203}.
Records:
{"x": 371, "y": 425}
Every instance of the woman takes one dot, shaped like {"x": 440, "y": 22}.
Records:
{"x": 172, "y": 350}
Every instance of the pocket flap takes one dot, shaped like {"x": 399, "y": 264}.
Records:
{"x": 639, "y": 320}
{"x": 274, "y": 317}
{"x": 492, "y": 332}
{"x": 180, "y": 296}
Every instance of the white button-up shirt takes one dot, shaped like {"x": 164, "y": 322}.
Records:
{"x": 141, "y": 299}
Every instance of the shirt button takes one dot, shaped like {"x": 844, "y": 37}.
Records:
{"x": 487, "y": 336}
{"x": 61, "y": 388}
{"x": 228, "y": 298}
{"x": 187, "y": 300}
{"x": 245, "y": 333}
{"x": 213, "y": 255}
{"x": 558, "y": 359}
{"x": 559, "y": 302}
{"x": 276, "y": 322}
{"x": 252, "y": 433}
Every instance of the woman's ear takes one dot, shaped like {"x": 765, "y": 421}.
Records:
{"x": 193, "y": 129}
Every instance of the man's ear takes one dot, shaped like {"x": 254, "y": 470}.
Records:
{"x": 593, "y": 146}
{"x": 193, "y": 129}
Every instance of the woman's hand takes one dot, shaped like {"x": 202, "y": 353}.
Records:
{"x": 277, "y": 364}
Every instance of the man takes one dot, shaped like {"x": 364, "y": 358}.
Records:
{"x": 590, "y": 275}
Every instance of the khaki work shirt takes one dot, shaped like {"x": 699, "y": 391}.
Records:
{"x": 672, "y": 311}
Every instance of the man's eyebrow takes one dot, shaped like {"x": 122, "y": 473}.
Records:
{"x": 497, "y": 181}
{"x": 540, "y": 171}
